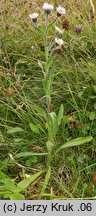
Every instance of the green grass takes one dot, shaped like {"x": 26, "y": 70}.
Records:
{"x": 33, "y": 127}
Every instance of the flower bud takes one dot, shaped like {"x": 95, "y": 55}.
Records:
{"x": 78, "y": 28}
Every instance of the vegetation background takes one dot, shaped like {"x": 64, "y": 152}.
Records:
{"x": 24, "y": 173}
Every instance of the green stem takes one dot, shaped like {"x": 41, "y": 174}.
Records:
{"x": 53, "y": 21}
{"x": 48, "y": 98}
{"x": 47, "y": 91}
{"x": 46, "y": 36}
{"x": 49, "y": 103}
{"x": 49, "y": 158}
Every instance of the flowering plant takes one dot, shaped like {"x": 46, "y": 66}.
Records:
{"x": 55, "y": 44}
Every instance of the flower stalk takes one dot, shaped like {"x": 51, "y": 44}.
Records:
{"x": 47, "y": 92}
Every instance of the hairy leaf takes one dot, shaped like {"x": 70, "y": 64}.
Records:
{"x": 75, "y": 142}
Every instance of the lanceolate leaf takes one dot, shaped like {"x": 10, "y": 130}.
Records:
{"x": 75, "y": 142}
{"x": 28, "y": 154}
{"x": 39, "y": 111}
{"x": 17, "y": 196}
{"x": 15, "y": 130}
{"x": 26, "y": 182}
{"x": 54, "y": 123}
{"x": 46, "y": 181}
{"x": 34, "y": 128}
{"x": 60, "y": 114}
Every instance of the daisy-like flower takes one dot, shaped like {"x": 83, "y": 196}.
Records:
{"x": 59, "y": 41}
{"x": 60, "y": 11}
{"x": 34, "y": 16}
{"x": 47, "y": 8}
{"x": 58, "y": 30}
